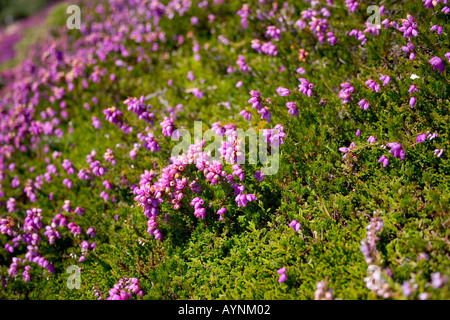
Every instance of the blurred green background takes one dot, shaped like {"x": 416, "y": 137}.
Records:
{"x": 13, "y": 10}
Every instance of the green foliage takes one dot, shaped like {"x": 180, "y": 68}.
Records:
{"x": 333, "y": 198}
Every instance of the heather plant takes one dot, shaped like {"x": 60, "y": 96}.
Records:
{"x": 355, "y": 115}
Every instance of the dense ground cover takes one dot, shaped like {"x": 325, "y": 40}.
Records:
{"x": 359, "y": 116}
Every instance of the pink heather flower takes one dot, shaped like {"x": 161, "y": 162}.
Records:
{"x": 358, "y": 132}
{"x": 352, "y": 5}
{"x": 421, "y": 138}
{"x": 104, "y": 195}
{"x": 384, "y": 160}
{"x": 239, "y": 84}
{"x": 423, "y": 296}
{"x": 409, "y": 27}
{"x": 293, "y": 111}
{"x": 244, "y": 13}
{"x": 437, "y": 63}
{"x": 221, "y": 212}
{"x": 346, "y": 150}
{"x": 301, "y": 24}
{"x": 133, "y": 153}
{"x": 436, "y": 27}
{"x": 246, "y": 114}
{"x": 85, "y": 246}
{"x": 274, "y": 33}
{"x": 295, "y": 225}
{"x": 438, "y": 152}
{"x": 432, "y": 136}
{"x": 437, "y": 280}
{"x": 67, "y": 183}
{"x": 190, "y": 76}
{"x": 259, "y": 176}
{"x": 385, "y": 79}
{"x": 412, "y": 89}
{"x": 409, "y": 49}
{"x": 96, "y": 123}
{"x": 107, "y": 184}
{"x": 300, "y": 70}
{"x": 242, "y": 199}
{"x": 373, "y": 85}
{"x": 282, "y": 278}
{"x": 358, "y": 35}
{"x": 109, "y": 156}
{"x": 242, "y": 64}
{"x": 256, "y": 45}
{"x": 265, "y": 114}
{"x": 331, "y": 38}
{"x": 269, "y": 48}
{"x": 11, "y": 205}
{"x": 91, "y": 231}
{"x": 305, "y": 87}
{"x": 447, "y": 55}
{"x": 198, "y": 93}
{"x": 397, "y": 150}
{"x": 15, "y": 182}
{"x": 429, "y": 3}
{"x": 168, "y": 126}
{"x": 282, "y": 270}
{"x": 407, "y": 289}
{"x": 364, "y": 104}
{"x": 412, "y": 102}
{"x": 371, "y": 139}
{"x": 345, "y": 92}
{"x": 283, "y": 92}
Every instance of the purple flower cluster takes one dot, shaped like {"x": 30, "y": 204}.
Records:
{"x": 149, "y": 141}
{"x": 138, "y": 106}
{"x": 322, "y": 291}
{"x": 244, "y": 13}
{"x": 359, "y": 35}
{"x": 346, "y": 91}
{"x": 293, "y": 110}
{"x": 305, "y": 87}
{"x": 409, "y": 27}
{"x": 168, "y": 126}
{"x": 438, "y": 64}
{"x": 283, "y": 276}
{"x": 199, "y": 211}
{"x": 409, "y": 48}
{"x": 368, "y": 246}
{"x": 125, "y": 289}
{"x": 274, "y": 33}
{"x": 242, "y": 65}
{"x": 373, "y": 85}
{"x": 275, "y": 136}
{"x": 115, "y": 116}
{"x": 295, "y": 225}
